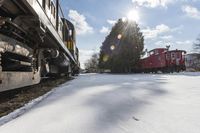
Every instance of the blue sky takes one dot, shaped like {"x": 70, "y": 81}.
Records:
{"x": 163, "y": 22}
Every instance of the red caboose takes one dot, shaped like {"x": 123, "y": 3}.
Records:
{"x": 161, "y": 59}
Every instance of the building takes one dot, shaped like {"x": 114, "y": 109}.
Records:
{"x": 192, "y": 62}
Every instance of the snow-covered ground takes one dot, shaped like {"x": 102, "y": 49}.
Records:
{"x": 95, "y": 103}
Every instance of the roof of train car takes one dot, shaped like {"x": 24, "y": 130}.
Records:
{"x": 177, "y": 51}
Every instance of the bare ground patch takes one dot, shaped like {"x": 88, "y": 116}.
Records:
{"x": 12, "y": 100}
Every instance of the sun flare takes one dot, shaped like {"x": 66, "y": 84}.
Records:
{"x": 133, "y": 15}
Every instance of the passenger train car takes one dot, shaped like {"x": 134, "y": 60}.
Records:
{"x": 164, "y": 60}
{"x": 35, "y": 41}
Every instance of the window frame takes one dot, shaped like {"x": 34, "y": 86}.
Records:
{"x": 48, "y": 2}
{"x": 53, "y": 9}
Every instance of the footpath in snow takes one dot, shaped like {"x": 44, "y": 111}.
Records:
{"x": 102, "y": 103}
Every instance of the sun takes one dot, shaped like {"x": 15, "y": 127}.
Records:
{"x": 133, "y": 15}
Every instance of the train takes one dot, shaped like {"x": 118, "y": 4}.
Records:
{"x": 36, "y": 41}
{"x": 163, "y": 60}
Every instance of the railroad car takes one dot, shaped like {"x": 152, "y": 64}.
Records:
{"x": 35, "y": 41}
{"x": 161, "y": 59}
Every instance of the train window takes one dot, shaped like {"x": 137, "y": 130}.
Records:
{"x": 173, "y": 55}
{"x": 183, "y": 54}
{"x": 70, "y": 33}
{"x": 51, "y": 7}
{"x": 43, "y": 3}
{"x": 61, "y": 26}
{"x": 49, "y": 3}
{"x": 151, "y": 53}
{"x": 53, "y": 10}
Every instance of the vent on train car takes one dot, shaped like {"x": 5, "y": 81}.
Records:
{"x": 15, "y": 62}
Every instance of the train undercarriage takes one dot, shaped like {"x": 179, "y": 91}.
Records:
{"x": 170, "y": 69}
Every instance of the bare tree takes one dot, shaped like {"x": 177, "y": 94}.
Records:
{"x": 197, "y": 45}
{"x": 92, "y": 64}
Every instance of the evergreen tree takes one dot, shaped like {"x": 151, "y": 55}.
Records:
{"x": 122, "y": 48}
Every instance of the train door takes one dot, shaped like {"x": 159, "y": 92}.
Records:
{"x": 173, "y": 56}
{"x": 178, "y": 58}
{"x": 167, "y": 56}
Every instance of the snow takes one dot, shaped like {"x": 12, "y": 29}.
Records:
{"x": 103, "y": 103}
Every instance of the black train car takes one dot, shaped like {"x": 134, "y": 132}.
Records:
{"x": 32, "y": 43}
{"x": 69, "y": 37}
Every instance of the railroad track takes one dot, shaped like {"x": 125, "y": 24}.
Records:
{"x": 14, "y": 99}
